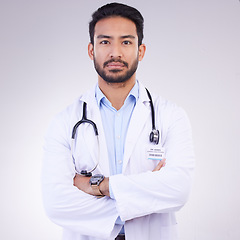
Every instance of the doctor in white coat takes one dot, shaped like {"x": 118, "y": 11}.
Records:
{"x": 144, "y": 194}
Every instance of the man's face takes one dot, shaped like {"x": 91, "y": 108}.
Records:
{"x": 115, "y": 52}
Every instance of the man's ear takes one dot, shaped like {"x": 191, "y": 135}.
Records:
{"x": 141, "y": 51}
{"x": 90, "y": 50}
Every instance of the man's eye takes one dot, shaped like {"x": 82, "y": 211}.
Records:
{"x": 104, "y": 42}
{"x": 126, "y": 42}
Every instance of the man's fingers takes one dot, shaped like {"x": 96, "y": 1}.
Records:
{"x": 161, "y": 164}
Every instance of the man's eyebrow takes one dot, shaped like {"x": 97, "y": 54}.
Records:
{"x": 103, "y": 36}
{"x": 128, "y": 36}
{"x": 109, "y": 37}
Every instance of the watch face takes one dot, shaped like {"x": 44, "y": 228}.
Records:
{"x": 96, "y": 179}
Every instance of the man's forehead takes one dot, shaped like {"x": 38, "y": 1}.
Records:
{"x": 113, "y": 26}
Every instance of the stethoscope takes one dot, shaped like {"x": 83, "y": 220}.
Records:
{"x": 153, "y": 137}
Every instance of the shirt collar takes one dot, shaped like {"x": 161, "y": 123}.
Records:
{"x": 100, "y": 96}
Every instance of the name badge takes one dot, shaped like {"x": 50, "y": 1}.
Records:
{"x": 155, "y": 153}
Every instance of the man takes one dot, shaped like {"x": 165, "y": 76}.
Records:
{"x": 131, "y": 194}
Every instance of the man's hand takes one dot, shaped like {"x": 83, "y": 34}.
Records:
{"x": 161, "y": 164}
{"x": 82, "y": 183}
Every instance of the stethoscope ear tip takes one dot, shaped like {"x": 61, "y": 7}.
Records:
{"x": 86, "y": 173}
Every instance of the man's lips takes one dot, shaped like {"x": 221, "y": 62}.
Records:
{"x": 115, "y": 64}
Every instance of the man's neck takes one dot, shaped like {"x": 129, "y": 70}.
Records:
{"x": 116, "y": 93}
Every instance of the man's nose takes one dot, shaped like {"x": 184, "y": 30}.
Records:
{"x": 116, "y": 51}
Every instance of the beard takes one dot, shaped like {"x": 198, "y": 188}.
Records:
{"x": 115, "y": 75}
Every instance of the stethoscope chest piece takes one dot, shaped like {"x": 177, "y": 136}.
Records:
{"x": 154, "y": 136}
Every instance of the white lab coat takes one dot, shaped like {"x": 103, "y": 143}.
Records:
{"x": 145, "y": 200}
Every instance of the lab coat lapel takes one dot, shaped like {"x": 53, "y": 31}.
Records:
{"x": 138, "y": 120}
{"x": 93, "y": 114}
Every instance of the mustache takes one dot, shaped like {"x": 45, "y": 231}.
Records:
{"x": 115, "y": 60}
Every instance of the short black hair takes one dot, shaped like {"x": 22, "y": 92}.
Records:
{"x": 121, "y": 10}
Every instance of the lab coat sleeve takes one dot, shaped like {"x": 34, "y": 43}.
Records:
{"x": 65, "y": 205}
{"x": 166, "y": 190}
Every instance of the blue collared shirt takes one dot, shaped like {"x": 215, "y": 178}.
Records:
{"x": 115, "y": 124}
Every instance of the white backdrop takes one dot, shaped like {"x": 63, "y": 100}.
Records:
{"x": 193, "y": 59}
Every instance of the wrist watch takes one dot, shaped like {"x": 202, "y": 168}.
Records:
{"x": 95, "y": 181}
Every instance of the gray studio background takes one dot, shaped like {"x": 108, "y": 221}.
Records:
{"x": 193, "y": 59}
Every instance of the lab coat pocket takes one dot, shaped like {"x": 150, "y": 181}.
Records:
{"x": 168, "y": 228}
{"x": 168, "y": 232}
